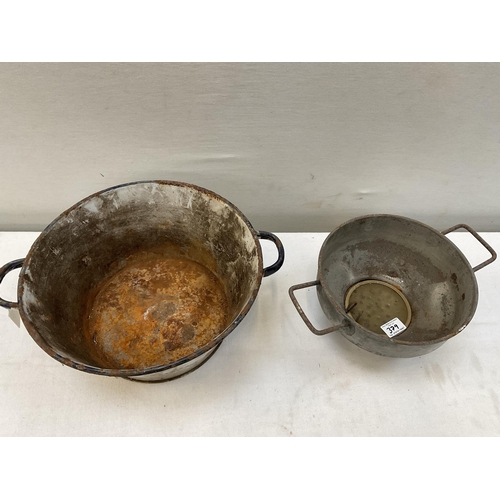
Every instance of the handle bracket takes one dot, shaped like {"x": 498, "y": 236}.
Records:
{"x": 478, "y": 238}
{"x": 10, "y": 266}
{"x": 264, "y": 235}
{"x": 303, "y": 315}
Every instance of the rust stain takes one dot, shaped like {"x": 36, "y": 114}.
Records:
{"x": 154, "y": 310}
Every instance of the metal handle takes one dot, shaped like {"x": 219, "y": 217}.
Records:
{"x": 303, "y": 315}
{"x": 478, "y": 238}
{"x": 15, "y": 264}
{"x": 281, "y": 252}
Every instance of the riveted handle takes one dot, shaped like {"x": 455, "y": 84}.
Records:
{"x": 264, "y": 235}
{"x": 15, "y": 264}
{"x": 303, "y": 315}
{"x": 478, "y": 238}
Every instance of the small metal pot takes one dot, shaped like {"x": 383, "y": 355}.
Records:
{"x": 374, "y": 268}
{"x": 142, "y": 280}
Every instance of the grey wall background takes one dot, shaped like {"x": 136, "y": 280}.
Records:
{"x": 297, "y": 147}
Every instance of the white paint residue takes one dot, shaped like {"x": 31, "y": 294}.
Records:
{"x": 249, "y": 241}
{"x": 93, "y": 205}
{"x": 126, "y": 194}
{"x": 182, "y": 197}
{"x": 151, "y": 190}
{"x": 218, "y": 207}
{"x": 148, "y": 310}
{"x": 28, "y": 298}
{"x": 178, "y": 196}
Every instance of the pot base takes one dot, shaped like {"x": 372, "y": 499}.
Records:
{"x": 177, "y": 371}
{"x": 154, "y": 310}
{"x": 371, "y": 303}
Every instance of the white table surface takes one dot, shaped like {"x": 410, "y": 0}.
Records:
{"x": 271, "y": 376}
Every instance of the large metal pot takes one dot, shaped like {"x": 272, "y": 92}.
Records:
{"x": 375, "y": 268}
{"x": 142, "y": 280}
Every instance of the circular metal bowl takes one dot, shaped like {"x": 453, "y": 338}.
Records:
{"x": 430, "y": 274}
{"x": 142, "y": 280}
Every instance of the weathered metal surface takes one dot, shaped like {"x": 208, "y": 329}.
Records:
{"x": 330, "y": 329}
{"x": 429, "y": 270}
{"x": 155, "y": 310}
{"x": 179, "y": 370}
{"x": 478, "y": 238}
{"x": 73, "y": 293}
{"x": 372, "y": 303}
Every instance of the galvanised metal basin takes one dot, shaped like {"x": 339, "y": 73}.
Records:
{"x": 376, "y": 268}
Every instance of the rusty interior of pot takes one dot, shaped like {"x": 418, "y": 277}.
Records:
{"x": 140, "y": 275}
{"x": 428, "y": 270}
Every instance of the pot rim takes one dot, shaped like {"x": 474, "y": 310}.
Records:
{"x": 395, "y": 340}
{"x": 128, "y": 372}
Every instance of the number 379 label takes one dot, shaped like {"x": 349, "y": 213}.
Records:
{"x": 393, "y": 327}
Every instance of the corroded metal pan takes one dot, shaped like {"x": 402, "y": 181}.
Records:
{"x": 376, "y": 268}
{"x": 142, "y": 280}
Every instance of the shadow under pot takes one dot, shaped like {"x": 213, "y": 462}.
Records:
{"x": 394, "y": 286}
{"x": 142, "y": 280}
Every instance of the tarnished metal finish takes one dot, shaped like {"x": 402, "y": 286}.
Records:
{"x": 264, "y": 235}
{"x": 478, "y": 238}
{"x": 178, "y": 371}
{"x": 372, "y": 303}
{"x": 429, "y": 270}
{"x": 370, "y": 341}
{"x": 178, "y": 243}
{"x": 156, "y": 310}
{"x": 291, "y": 293}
